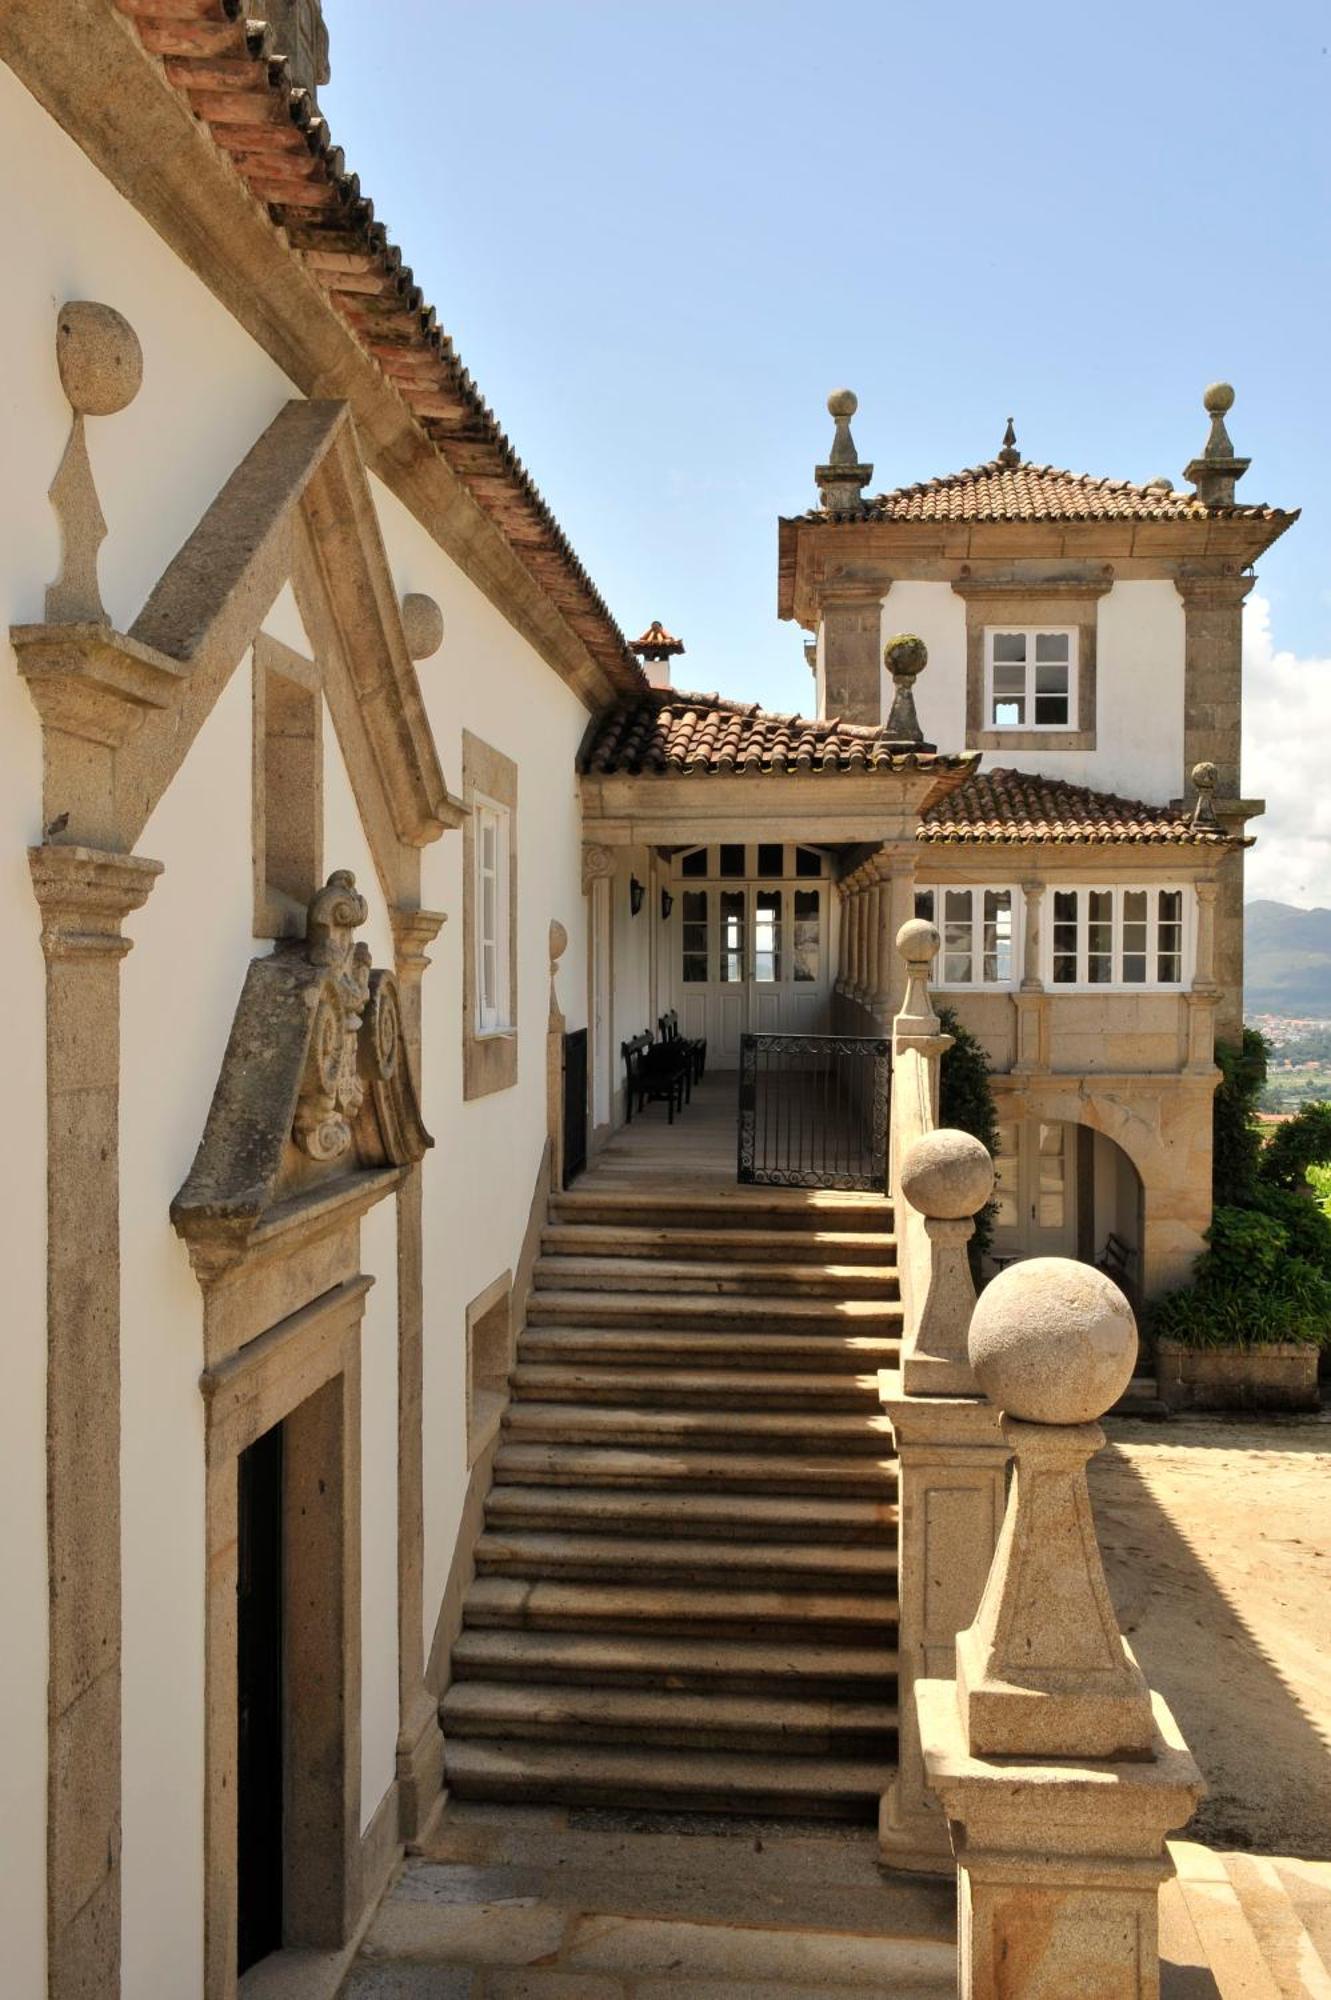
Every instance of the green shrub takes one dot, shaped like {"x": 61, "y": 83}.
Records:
{"x": 1306, "y": 1224}
{"x": 1251, "y": 1284}
{"x": 1236, "y": 1138}
{"x": 1303, "y": 1141}
{"x": 966, "y": 1104}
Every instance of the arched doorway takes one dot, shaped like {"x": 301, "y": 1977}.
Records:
{"x": 1063, "y": 1189}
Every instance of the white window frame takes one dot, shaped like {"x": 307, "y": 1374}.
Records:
{"x": 977, "y": 891}
{"x": 492, "y": 1004}
{"x": 1117, "y": 983}
{"x": 1030, "y": 633}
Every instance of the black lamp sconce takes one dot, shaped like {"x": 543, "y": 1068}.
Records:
{"x": 636, "y": 894}
{"x": 667, "y": 904}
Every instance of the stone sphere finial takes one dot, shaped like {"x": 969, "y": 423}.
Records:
{"x": 1218, "y": 399}
{"x": 1204, "y": 777}
{"x": 918, "y": 941}
{"x": 905, "y": 656}
{"x": 842, "y": 403}
{"x": 1052, "y": 1341}
{"x": 422, "y": 625}
{"x": 946, "y": 1175}
{"x": 99, "y": 357}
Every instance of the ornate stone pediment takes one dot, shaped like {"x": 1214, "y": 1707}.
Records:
{"x": 315, "y": 1096}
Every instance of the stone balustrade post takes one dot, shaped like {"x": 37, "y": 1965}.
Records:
{"x": 951, "y": 1458}
{"x": 1060, "y": 1773}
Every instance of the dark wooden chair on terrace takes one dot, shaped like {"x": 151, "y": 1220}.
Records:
{"x": 695, "y": 1047}
{"x": 655, "y": 1072}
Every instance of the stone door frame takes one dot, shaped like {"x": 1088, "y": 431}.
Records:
{"x": 304, "y": 1372}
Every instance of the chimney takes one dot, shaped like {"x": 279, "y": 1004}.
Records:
{"x": 299, "y": 33}
{"x": 655, "y": 649}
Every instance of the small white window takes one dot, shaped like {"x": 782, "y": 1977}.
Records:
{"x": 1031, "y": 677}
{"x": 491, "y": 829}
{"x": 1117, "y": 937}
{"x": 979, "y": 938}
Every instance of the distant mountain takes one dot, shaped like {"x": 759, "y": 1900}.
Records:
{"x": 1288, "y": 960}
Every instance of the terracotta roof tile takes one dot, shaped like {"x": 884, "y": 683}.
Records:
{"x": 667, "y": 732}
{"x": 233, "y": 76}
{"x": 1007, "y": 807}
{"x": 998, "y": 492}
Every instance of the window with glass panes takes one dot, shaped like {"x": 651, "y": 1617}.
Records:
{"x": 491, "y": 830}
{"x": 1031, "y": 674}
{"x": 978, "y": 932}
{"x": 752, "y": 921}
{"x": 1117, "y": 936}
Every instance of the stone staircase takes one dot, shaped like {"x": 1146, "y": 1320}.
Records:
{"x": 685, "y": 1590}
{"x": 1245, "y": 1927}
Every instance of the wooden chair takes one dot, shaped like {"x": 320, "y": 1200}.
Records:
{"x": 655, "y": 1072}
{"x": 1116, "y": 1263}
{"x": 695, "y": 1047}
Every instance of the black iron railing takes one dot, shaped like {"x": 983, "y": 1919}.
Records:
{"x": 813, "y": 1110}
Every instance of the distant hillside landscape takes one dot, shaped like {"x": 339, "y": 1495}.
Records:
{"x": 1288, "y": 969}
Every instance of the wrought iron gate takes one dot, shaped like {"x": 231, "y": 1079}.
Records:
{"x": 813, "y": 1111}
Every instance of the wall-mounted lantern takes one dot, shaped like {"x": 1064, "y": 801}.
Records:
{"x": 636, "y": 894}
{"x": 667, "y": 904}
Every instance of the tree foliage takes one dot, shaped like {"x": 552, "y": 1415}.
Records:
{"x": 1303, "y": 1141}
{"x": 1236, "y": 1140}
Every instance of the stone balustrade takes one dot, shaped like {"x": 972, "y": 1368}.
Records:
{"x": 951, "y": 1455}
{"x": 1060, "y": 1773}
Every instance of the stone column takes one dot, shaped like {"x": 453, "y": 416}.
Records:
{"x": 873, "y": 897}
{"x": 852, "y": 623}
{"x": 1030, "y": 1001}
{"x": 1212, "y": 675}
{"x": 1060, "y": 1774}
{"x": 84, "y": 895}
{"x": 1205, "y": 993}
{"x": 852, "y": 911}
{"x": 554, "y": 1061}
{"x": 420, "y": 1743}
{"x": 843, "y": 937}
{"x": 896, "y": 910}
{"x": 951, "y": 1461}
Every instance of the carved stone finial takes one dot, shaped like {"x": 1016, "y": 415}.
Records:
{"x": 332, "y": 1091}
{"x": 947, "y": 1177}
{"x": 558, "y": 944}
{"x": 1043, "y": 1671}
{"x": 1008, "y": 454}
{"x": 918, "y": 942}
{"x": 1204, "y": 779}
{"x": 1214, "y": 473}
{"x": 905, "y": 658}
{"x": 842, "y": 480}
{"x": 422, "y": 625}
{"x": 101, "y": 371}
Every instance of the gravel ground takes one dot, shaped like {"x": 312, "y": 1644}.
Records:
{"x": 1217, "y": 1541}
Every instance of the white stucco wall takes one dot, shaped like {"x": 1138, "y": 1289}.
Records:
{"x": 1139, "y": 697}
{"x": 207, "y": 393}
{"x": 479, "y": 1180}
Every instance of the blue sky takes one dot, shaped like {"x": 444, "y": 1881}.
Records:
{"x": 660, "y": 235}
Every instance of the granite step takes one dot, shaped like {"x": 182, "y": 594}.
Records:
{"x": 663, "y": 1660}
{"x": 745, "y": 1517}
{"x": 666, "y": 1473}
{"x": 650, "y": 1718}
{"x": 768, "y": 1209}
{"x": 743, "y": 1245}
{"x": 673, "y": 1347}
{"x": 547, "y": 1306}
{"x": 806, "y": 1617}
{"x": 740, "y": 1390}
{"x": 536, "y": 1553}
{"x": 834, "y": 1431}
{"x": 698, "y": 1781}
{"x": 714, "y": 1278}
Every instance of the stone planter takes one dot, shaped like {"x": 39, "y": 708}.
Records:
{"x": 1276, "y": 1375}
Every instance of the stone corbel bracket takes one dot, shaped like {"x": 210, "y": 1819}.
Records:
{"x": 315, "y": 1103}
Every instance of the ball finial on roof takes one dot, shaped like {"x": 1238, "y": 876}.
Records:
{"x": 1053, "y": 1341}
{"x": 1008, "y": 453}
{"x": 99, "y": 358}
{"x": 841, "y": 482}
{"x": 1218, "y": 399}
{"x": 422, "y": 625}
{"x": 842, "y": 403}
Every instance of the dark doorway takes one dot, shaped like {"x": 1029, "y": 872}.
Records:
{"x": 259, "y": 1700}
{"x": 575, "y": 1104}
